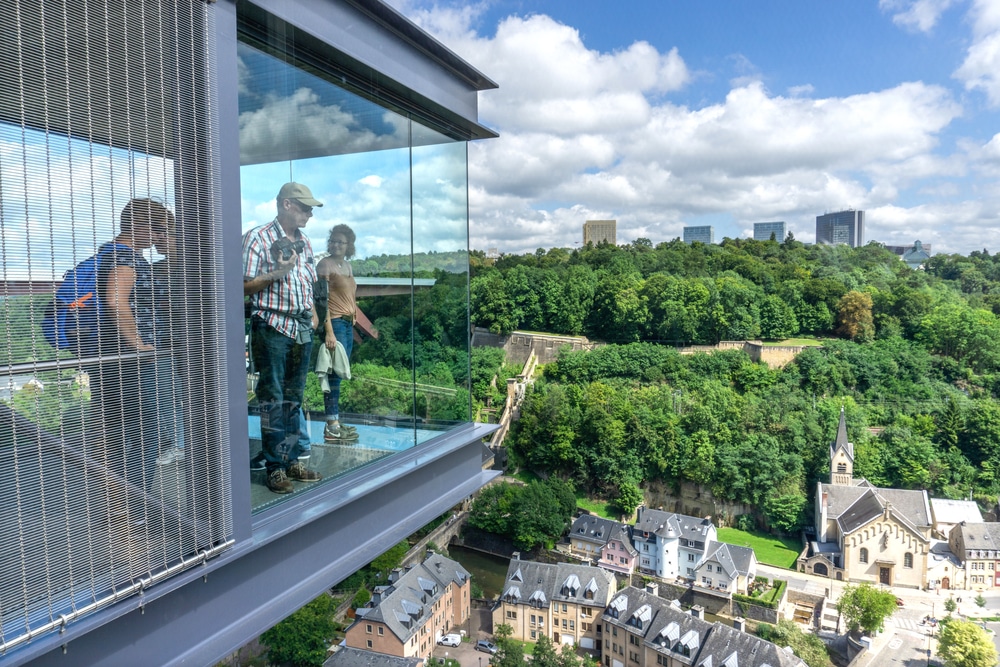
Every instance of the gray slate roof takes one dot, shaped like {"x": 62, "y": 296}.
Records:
{"x": 733, "y": 559}
{"x": 855, "y": 506}
{"x": 621, "y": 533}
{"x": 670, "y": 525}
{"x": 355, "y": 657}
{"x": 541, "y": 584}
{"x": 979, "y": 537}
{"x": 407, "y": 603}
{"x": 666, "y": 629}
{"x": 592, "y": 528}
{"x": 951, "y": 511}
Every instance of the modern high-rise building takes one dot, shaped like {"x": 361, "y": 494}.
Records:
{"x": 600, "y": 231}
{"x": 762, "y": 231}
{"x": 843, "y": 227}
{"x": 701, "y": 233}
{"x": 120, "y": 547}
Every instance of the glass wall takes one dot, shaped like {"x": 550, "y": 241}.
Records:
{"x": 111, "y": 450}
{"x": 395, "y": 190}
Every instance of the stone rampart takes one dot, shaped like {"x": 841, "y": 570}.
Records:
{"x": 518, "y": 345}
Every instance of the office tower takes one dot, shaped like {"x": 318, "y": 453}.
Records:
{"x": 702, "y": 233}
{"x": 762, "y": 231}
{"x": 598, "y": 231}
{"x": 846, "y": 227}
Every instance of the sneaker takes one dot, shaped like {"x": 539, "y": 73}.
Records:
{"x": 348, "y": 429}
{"x": 338, "y": 435}
{"x": 258, "y": 462}
{"x": 302, "y": 473}
{"x": 278, "y": 482}
{"x": 304, "y": 455}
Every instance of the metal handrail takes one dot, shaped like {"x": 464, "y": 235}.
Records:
{"x": 75, "y": 362}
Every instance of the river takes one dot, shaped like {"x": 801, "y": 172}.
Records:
{"x": 487, "y": 571}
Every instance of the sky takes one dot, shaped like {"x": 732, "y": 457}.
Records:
{"x": 662, "y": 114}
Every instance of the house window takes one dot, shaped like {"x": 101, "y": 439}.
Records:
{"x": 368, "y": 628}
{"x": 532, "y": 619}
{"x": 841, "y": 467}
{"x": 511, "y": 614}
{"x": 690, "y": 558}
{"x": 907, "y": 559}
{"x": 534, "y": 634}
{"x": 368, "y": 643}
{"x": 863, "y": 555}
{"x": 572, "y": 625}
{"x": 381, "y": 631}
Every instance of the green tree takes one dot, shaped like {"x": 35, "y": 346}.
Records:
{"x": 980, "y": 601}
{"x": 493, "y": 507}
{"x": 866, "y": 607}
{"x": 808, "y": 647}
{"x": 544, "y": 654}
{"x": 510, "y": 653}
{"x": 950, "y": 605}
{"x": 389, "y": 560}
{"x": 301, "y": 639}
{"x": 965, "y": 644}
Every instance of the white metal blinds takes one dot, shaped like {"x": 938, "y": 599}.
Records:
{"x": 111, "y": 455}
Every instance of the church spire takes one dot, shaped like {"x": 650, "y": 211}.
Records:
{"x": 842, "y": 455}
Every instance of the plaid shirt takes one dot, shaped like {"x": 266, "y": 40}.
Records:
{"x": 282, "y": 303}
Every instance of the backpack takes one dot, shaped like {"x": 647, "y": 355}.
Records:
{"x": 72, "y": 319}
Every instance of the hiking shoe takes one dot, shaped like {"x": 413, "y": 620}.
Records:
{"x": 258, "y": 462}
{"x": 302, "y": 473}
{"x": 278, "y": 482}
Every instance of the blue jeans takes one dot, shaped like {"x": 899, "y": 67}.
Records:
{"x": 170, "y": 404}
{"x": 343, "y": 331}
{"x": 281, "y": 365}
{"x": 305, "y": 442}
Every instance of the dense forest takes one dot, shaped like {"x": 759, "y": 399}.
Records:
{"x": 913, "y": 356}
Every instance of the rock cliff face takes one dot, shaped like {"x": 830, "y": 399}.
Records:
{"x": 693, "y": 500}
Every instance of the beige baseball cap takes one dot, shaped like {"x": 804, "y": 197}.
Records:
{"x": 299, "y": 192}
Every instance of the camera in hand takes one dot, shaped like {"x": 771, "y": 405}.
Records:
{"x": 282, "y": 249}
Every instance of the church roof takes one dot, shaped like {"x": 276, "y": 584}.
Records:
{"x": 841, "y": 441}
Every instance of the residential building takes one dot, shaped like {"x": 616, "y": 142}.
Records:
{"x": 670, "y": 545}
{"x": 618, "y": 555}
{"x": 977, "y": 547}
{"x": 600, "y": 231}
{"x": 700, "y": 233}
{"x": 207, "y": 108}
{"x": 420, "y": 605}
{"x": 727, "y": 567}
{"x": 866, "y": 533}
{"x": 560, "y": 600}
{"x": 948, "y": 513}
{"x": 763, "y": 231}
{"x": 642, "y": 629}
{"x": 589, "y": 534}
{"x": 842, "y": 227}
{"x": 354, "y": 657}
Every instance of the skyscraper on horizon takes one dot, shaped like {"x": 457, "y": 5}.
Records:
{"x": 701, "y": 233}
{"x": 596, "y": 231}
{"x": 762, "y": 231}
{"x": 847, "y": 227}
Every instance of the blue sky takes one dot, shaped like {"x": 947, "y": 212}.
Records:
{"x": 663, "y": 113}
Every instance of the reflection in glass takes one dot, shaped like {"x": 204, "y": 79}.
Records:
{"x": 402, "y": 188}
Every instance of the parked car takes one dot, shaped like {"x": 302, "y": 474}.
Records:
{"x": 486, "y": 647}
{"x": 899, "y": 602}
{"x": 450, "y": 640}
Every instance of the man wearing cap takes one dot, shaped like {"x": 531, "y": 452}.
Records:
{"x": 278, "y": 276}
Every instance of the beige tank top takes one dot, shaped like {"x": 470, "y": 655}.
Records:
{"x": 342, "y": 302}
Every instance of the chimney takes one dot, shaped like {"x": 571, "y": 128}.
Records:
{"x": 376, "y": 597}
{"x": 740, "y": 624}
{"x": 395, "y": 575}
{"x": 698, "y": 611}
{"x": 653, "y": 588}
{"x": 516, "y": 555}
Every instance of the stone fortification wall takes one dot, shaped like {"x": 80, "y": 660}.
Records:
{"x": 774, "y": 356}
{"x": 520, "y": 344}
{"x": 693, "y": 500}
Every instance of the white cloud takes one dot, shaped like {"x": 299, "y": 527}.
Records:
{"x": 920, "y": 15}
{"x": 981, "y": 68}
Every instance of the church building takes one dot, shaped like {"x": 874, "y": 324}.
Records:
{"x": 865, "y": 533}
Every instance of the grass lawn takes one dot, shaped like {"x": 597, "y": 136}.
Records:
{"x": 808, "y": 342}
{"x": 599, "y": 507}
{"x": 770, "y": 550}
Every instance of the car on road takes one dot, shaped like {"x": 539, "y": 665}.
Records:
{"x": 450, "y": 640}
{"x": 486, "y": 647}
{"x": 899, "y": 602}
